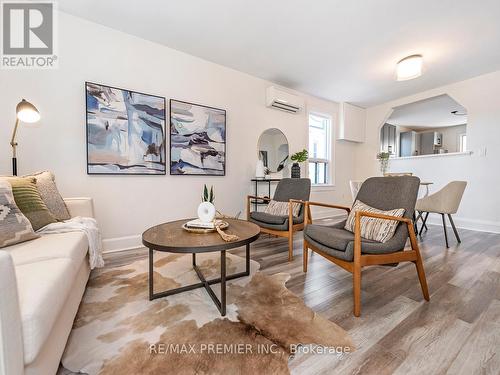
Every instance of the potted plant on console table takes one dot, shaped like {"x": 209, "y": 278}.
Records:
{"x": 298, "y": 157}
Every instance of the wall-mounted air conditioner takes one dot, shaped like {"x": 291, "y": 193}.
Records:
{"x": 284, "y": 101}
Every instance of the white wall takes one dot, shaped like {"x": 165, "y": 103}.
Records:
{"x": 127, "y": 205}
{"x": 481, "y": 202}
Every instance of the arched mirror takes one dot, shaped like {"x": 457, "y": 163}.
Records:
{"x": 273, "y": 149}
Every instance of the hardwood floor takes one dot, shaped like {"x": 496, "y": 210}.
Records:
{"x": 457, "y": 332}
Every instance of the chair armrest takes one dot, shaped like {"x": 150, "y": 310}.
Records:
{"x": 250, "y": 197}
{"x": 348, "y": 209}
{"x": 357, "y": 229}
{"x": 11, "y": 337}
{"x": 80, "y": 206}
{"x": 308, "y": 219}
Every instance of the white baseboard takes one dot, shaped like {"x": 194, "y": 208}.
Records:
{"x": 116, "y": 244}
{"x": 464, "y": 223}
{"x": 112, "y": 245}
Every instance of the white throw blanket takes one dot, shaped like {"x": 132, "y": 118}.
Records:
{"x": 86, "y": 225}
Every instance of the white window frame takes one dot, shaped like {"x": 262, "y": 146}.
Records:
{"x": 461, "y": 142}
{"x": 329, "y": 161}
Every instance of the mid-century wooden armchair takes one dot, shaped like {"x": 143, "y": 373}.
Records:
{"x": 291, "y": 190}
{"x": 351, "y": 252}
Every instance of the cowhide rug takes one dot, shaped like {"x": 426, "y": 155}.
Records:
{"x": 119, "y": 331}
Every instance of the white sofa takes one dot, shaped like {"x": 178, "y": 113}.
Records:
{"x": 41, "y": 285}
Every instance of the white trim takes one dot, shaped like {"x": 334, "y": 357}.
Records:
{"x": 465, "y": 223}
{"x": 466, "y": 153}
{"x": 330, "y": 162}
{"x": 111, "y": 245}
{"x": 323, "y": 187}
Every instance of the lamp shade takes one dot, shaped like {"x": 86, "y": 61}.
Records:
{"x": 27, "y": 112}
{"x": 410, "y": 67}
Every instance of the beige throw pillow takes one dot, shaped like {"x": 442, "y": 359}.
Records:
{"x": 282, "y": 208}
{"x": 46, "y": 185}
{"x": 14, "y": 226}
{"x": 380, "y": 230}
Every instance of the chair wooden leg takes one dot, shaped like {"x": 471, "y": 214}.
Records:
{"x": 445, "y": 232}
{"x": 305, "y": 256}
{"x": 290, "y": 246}
{"x": 356, "y": 276}
{"x": 418, "y": 263}
{"x": 454, "y": 229}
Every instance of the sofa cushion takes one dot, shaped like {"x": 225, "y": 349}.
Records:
{"x": 14, "y": 226}
{"x": 46, "y": 185}
{"x": 43, "y": 288}
{"x": 30, "y": 202}
{"x": 71, "y": 245}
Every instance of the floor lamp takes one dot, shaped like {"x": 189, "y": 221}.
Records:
{"x": 25, "y": 112}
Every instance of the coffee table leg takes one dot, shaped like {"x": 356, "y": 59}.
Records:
{"x": 151, "y": 274}
{"x": 223, "y": 282}
{"x": 247, "y": 270}
{"x": 221, "y": 304}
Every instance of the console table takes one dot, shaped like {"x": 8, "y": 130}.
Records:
{"x": 257, "y": 181}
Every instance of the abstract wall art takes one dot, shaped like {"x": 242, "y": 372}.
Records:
{"x": 197, "y": 139}
{"x": 125, "y": 131}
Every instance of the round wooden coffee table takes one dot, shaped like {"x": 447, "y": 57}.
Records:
{"x": 170, "y": 237}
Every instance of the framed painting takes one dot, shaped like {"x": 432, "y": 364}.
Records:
{"x": 125, "y": 131}
{"x": 197, "y": 139}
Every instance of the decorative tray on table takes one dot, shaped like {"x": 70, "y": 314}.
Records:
{"x": 195, "y": 229}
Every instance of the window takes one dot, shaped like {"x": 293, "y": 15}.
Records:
{"x": 319, "y": 149}
{"x": 463, "y": 142}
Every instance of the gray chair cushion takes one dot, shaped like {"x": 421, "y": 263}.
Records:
{"x": 277, "y": 222}
{"x": 288, "y": 188}
{"x": 335, "y": 238}
{"x": 388, "y": 193}
{"x": 293, "y": 188}
{"x": 384, "y": 193}
{"x": 273, "y": 219}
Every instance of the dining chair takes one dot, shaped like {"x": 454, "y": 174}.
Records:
{"x": 444, "y": 202}
{"x": 355, "y": 185}
{"x": 290, "y": 190}
{"x": 352, "y": 252}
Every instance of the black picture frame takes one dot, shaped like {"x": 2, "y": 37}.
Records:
{"x": 224, "y": 167}
{"x": 164, "y": 153}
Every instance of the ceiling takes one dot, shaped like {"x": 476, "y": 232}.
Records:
{"x": 433, "y": 112}
{"x": 338, "y": 50}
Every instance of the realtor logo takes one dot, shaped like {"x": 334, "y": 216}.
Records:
{"x": 28, "y": 30}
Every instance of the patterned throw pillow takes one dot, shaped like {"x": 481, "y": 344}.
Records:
{"x": 282, "y": 208}
{"x": 380, "y": 230}
{"x": 14, "y": 226}
{"x": 30, "y": 202}
{"x": 46, "y": 185}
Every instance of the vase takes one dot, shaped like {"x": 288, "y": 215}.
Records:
{"x": 295, "y": 170}
{"x": 206, "y": 212}
{"x": 384, "y": 165}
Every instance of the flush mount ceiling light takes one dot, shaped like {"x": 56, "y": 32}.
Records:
{"x": 410, "y": 67}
